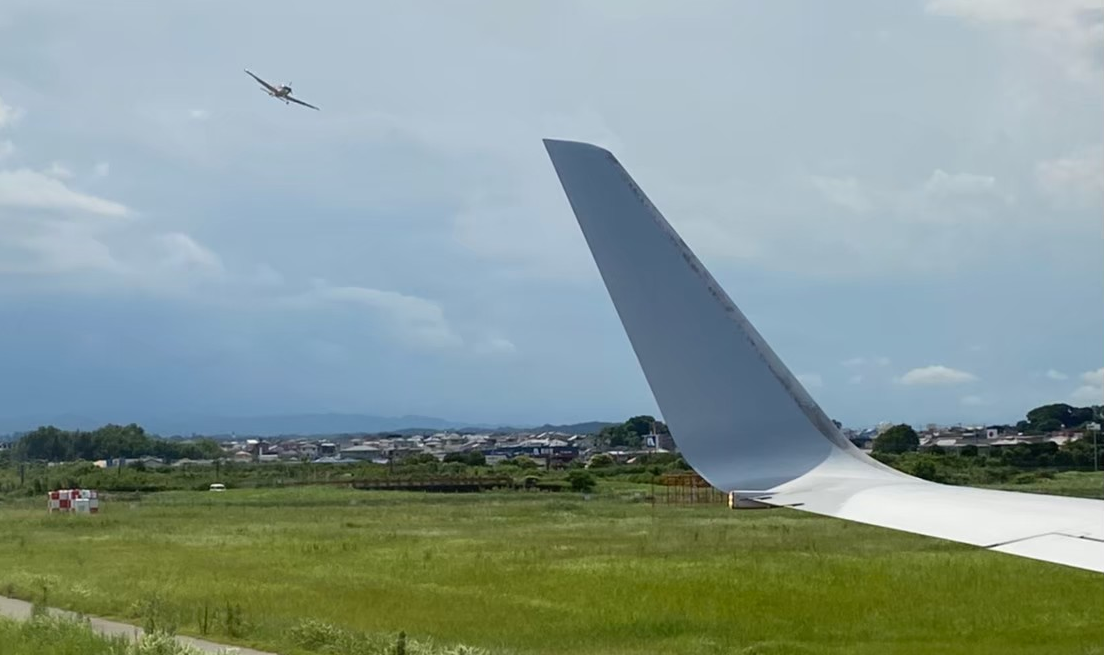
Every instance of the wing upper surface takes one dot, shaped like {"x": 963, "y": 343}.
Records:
{"x": 1061, "y": 529}
{"x": 298, "y": 101}
{"x": 262, "y": 82}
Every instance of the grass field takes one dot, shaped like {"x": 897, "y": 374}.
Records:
{"x": 45, "y": 635}
{"x": 313, "y": 570}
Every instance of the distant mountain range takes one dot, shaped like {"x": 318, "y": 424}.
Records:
{"x": 280, "y": 425}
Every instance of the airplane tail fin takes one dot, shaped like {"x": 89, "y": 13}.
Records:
{"x": 738, "y": 415}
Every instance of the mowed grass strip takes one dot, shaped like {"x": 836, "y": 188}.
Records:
{"x": 542, "y": 573}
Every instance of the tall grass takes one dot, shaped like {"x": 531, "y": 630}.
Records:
{"x": 47, "y": 635}
{"x": 325, "y": 570}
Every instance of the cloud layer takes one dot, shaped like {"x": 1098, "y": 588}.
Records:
{"x": 408, "y": 249}
{"x": 936, "y": 375}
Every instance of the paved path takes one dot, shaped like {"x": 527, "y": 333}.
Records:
{"x": 21, "y": 610}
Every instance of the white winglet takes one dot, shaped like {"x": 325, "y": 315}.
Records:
{"x": 742, "y": 419}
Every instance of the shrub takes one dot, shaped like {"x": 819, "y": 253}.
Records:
{"x": 580, "y": 480}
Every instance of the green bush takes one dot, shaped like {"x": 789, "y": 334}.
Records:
{"x": 580, "y": 480}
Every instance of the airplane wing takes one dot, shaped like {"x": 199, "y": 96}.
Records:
{"x": 296, "y": 100}
{"x": 742, "y": 419}
{"x": 262, "y": 82}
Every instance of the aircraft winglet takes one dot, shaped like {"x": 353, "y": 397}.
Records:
{"x": 742, "y": 419}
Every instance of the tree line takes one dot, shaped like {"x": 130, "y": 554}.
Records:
{"x": 902, "y": 438}
{"x": 52, "y": 444}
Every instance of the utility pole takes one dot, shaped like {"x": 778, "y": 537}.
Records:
{"x": 1094, "y": 426}
{"x": 1098, "y": 414}
{"x": 1096, "y": 449}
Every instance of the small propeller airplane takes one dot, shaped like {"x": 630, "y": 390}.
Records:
{"x": 282, "y": 92}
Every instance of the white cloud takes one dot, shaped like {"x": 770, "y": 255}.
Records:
{"x": 1069, "y": 32}
{"x": 7, "y": 149}
{"x": 101, "y": 169}
{"x": 1091, "y": 391}
{"x": 59, "y": 170}
{"x": 8, "y": 115}
{"x": 1077, "y": 176}
{"x": 181, "y": 252}
{"x": 888, "y": 227}
{"x": 972, "y": 401}
{"x": 936, "y": 375}
{"x": 412, "y": 319}
{"x": 266, "y": 276}
{"x": 495, "y": 346}
{"x": 32, "y": 190}
{"x": 494, "y": 130}
{"x": 1094, "y": 377}
{"x": 855, "y": 379}
{"x": 533, "y": 238}
{"x": 1056, "y": 375}
{"x": 53, "y": 247}
{"x": 47, "y": 233}
{"x": 1086, "y": 395}
{"x": 845, "y": 192}
{"x": 943, "y": 185}
{"x": 125, "y": 257}
{"x": 858, "y": 362}
{"x": 810, "y": 380}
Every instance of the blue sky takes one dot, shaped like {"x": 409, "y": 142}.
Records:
{"x": 905, "y": 198}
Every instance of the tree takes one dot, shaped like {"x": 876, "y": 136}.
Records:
{"x": 630, "y": 434}
{"x": 926, "y": 470}
{"x": 898, "y": 439}
{"x": 601, "y": 461}
{"x": 473, "y": 458}
{"x": 524, "y": 462}
{"x": 1060, "y": 414}
{"x": 581, "y": 480}
{"x": 618, "y": 436}
{"x": 640, "y": 425}
{"x": 1047, "y": 425}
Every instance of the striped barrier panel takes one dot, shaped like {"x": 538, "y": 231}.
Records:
{"x": 80, "y": 501}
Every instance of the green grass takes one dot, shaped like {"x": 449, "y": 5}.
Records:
{"x": 538, "y": 573}
{"x": 1067, "y": 483}
{"x": 45, "y": 635}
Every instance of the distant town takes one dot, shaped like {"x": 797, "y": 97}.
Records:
{"x": 1056, "y": 424}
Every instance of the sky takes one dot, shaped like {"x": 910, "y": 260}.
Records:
{"x": 905, "y": 198}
